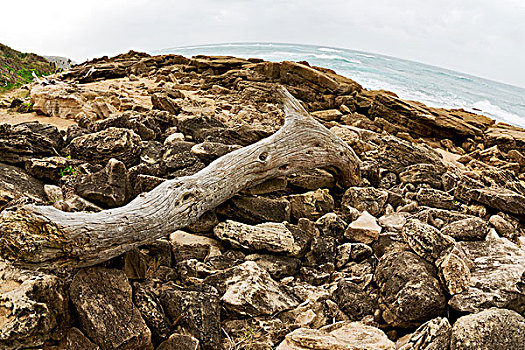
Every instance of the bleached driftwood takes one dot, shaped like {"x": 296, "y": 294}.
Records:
{"x": 47, "y": 237}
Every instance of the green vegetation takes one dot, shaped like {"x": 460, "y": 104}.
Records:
{"x": 16, "y": 68}
{"x": 69, "y": 170}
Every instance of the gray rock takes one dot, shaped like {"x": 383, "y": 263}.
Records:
{"x": 100, "y": 147}
{"x": 394, "y": 221}
{"x": 256, "y": 210}
{"x": 109, "y": 186}
{"x": 101, "y": 296}
{"x": 179, "y": 160}
{"x": 489, "y": 329}
{"x": 454, "y": 272}
{"x": 24, "y": 141}
{"x": 473, "y": 229}
{"x": 367, "y": 199}
{"x": 497, "y": 276}
{"x": 248, "y": 289}
{"x": 33, "y": 308}
{"x": 432, "y": 335}
{"x": 16, "y": 183}
{"x": 499, "y": 198}
{"x": 341, "y": 335}
{"x": 311, "y": 205}
{"x": 425, "y": 240}
{"x": 179, "y": 342}
{"x": 311, "y": 179}
{"x": 409, "y": 292}
{"x": 196, "y": 311}
{"x": 270, "y": 236}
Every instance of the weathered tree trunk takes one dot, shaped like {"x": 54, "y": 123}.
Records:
{"x": 47, "y": 237}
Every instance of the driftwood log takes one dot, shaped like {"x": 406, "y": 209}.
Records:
{"x": 42, "y": 236}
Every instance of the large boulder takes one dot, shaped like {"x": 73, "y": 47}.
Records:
{"x": 102, "y": 296}
{"x": 409, "y": 292}
{"x": 33, "y": 308}
{"x": 489, "y": 329}
{"x": 100, "y": 147}
{"x": 425, "y": 240}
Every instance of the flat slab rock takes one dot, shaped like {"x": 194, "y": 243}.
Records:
{"x": 102, "y": 299}
{"x": 338, "y": 336}
{"x": 16, "y": 183}
{"x": 497, "y": 276}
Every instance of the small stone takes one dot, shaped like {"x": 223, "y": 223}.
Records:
{"x": 311, "y": 205}
{"x": 179, "y": 342}
{"x": 472, "y": 229}
{"x": 454, "y": 272}
{"x": 367, "y": 199}
{"x": 328, "y": 115}
{"x": 364, "y": 230}
{"x": 191, "y": 246}
{"x": 311, "y": 179}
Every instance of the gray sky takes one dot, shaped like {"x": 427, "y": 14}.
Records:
{"x": 481, "y": 37}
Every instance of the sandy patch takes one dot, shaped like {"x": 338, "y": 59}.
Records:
{"x": 17, "y": 118}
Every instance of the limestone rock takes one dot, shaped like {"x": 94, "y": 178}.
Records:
{"x": 109, "y": 186}
{"x": 311, "y": 179}
{"x": 328, "y": 115}
{"x": 489, "y": 329}
{"x": 331, "y": 225}
{"x": 454, "y": 272}
{"x": 76, "y": 340}
{"x": 33, "y": 308}
{"x": 57, "y": 100}
{"x": 499, "y": 198}
{"x": 271, "y": 236}
{"x": 52, "y": 168}
{"x": 209, "y": 151}
{"x": 497, "y": 276}
{"x": 100, "y": 296}
{"x": 354, "y": 299}
{"x": 118, "y": 143}
{"x": 23, "y": 141}
{"x": 432, "y": 335}
{"x": 473, "y": 229}
{"x": 196, "y": 311}
{"x": 364, "y": 230}
{"x": 147, "y": 301}
{"x": 352, "y": 252}
{"x": 341, "y": 335}
{"x": 421, "y": 174}
{"x": 248, "y": 289}
{"x": 179, "y": 342}
{"x": 430, "y": 197}
{"x": 425, "y": 240}
{"x": 366, "y": 198}
{"x": 311, "y": 205}
{"x": 277, "y": 266}
{"x": 409, "y": 292}
{"x": 256, "y": 210}
{"x": 191, "y": 246}
{"x": 165, "y": 103}
{"x": 16, "y": 183}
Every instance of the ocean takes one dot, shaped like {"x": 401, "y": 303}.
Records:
{"x": 434, "y": 86}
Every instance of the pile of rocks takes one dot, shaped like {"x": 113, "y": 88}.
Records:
{"x": 425, "y": 253}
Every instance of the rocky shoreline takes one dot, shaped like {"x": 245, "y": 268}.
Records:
{"x": 426, "y": 252}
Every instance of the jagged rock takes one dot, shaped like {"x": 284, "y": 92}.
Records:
{"x": 454, "y": 272}
{"x": 311, "y": 179}
{"x": 409, "y": 293}
{"x": 255, "y": 210}
{"x": 270, "y": 186}
{"x": 193, "y": 125}
{"x": 396, "y": 155}
{"x": 428, "y": 215}
{"x": 497, "y": 276}
{"x": 135, "y": 265}
{"x": 394, "y": 221}
{"x": 427, "y": 121}
{"x": 23, "y": 141}
{"x": 270, "y": 236}
{"x": 260, "y": 333}
{"x": 147, "y": 301}
{"x": 165, "y": 103}
{"x": 432, "y": 335}
{"x": 331, "y": 225}
{"x": 76, "y": 340}
{"x": 366, "y": 198}
{"x": 499, "y": 198}
{"x": 16, "y": 183}
{"x": 435, "y": 198}
{"x": 190, "y": 246}
{"x": 354, "y": 300}
{"x": 425, "y": 240}
{"x": 101, "y": 296}
{"x": 180, "y": 161}
{"x": 145, "y": 183}
{"x": 328, "y": 115}
{"x": 74, "y": 203}
{"x": 33, "y": 308}
{"x": 57, "y": 100}
{"x": 311, "y": 205}
{"x": 352, "y": 252}
{"x": 277, "y": 266}
{"x": 196, "y": 311}
{"x": 179, "y": 342}
{"x": 52, "y": 168}
{"x": 109, "y": 186}
{"x": 237, "y": 135}
{"x": 209, "y": 151}
{"x": 341, "y": 335}
{"x": 364, "y": 230}
{"x": 502, "y": 226}
{"x": 121, "y": 144}
{"x": 53, "y": 193}
{"x": 507, "y": 137}
{"x": 205, "y": 223}
{"x": 473, "y": 229}
{"x": 316, "y": 276}
{"x": 489, "y": 329}
{"x": 248, "y": 289}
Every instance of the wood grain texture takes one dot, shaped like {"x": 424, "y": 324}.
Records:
{"x": 46, "y": 237}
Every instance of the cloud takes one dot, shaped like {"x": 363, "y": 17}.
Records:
{"x": 483, "y": 37}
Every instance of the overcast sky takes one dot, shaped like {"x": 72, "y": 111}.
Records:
{"x": 481, "y": 37}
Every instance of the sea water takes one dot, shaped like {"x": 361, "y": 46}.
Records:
{"x": 436, "y": 87}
